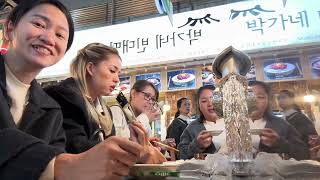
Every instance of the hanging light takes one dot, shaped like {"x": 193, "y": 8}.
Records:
{"x": 166, "y": 107}
{"x": 309, "y": 98}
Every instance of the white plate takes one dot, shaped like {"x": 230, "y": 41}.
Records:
{"x": 288, "y": 70}
{"x": 215, "y": 132}
{"x": 255, "y": 131}
{"x": 154, "y": 81}
{"x": 208, "y": 78}
{"x": 181, "y": 82}
{"x": 316, "y": 65}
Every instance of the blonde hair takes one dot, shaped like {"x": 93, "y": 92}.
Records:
{"x": 92, "y": 53}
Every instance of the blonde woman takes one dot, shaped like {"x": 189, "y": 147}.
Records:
{"x": 94, "y": 73}
{"x": 87, "y": 120}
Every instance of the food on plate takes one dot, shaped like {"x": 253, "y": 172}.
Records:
{"x": 182, "y": 79}
{"x": 154, "y": 81}
{"x": 207, "y": 76}
{"x": 123, "y": 87}
{"x": 279, "y": 66}
{"x": 183, "y": 76}
{"x": 283, "y": 69}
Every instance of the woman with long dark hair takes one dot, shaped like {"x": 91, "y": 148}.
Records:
{"x": 196, "y": 138}
{"x": 277, "y": 135}
{"x": 180, "y": 121}
{"x": 143, "y": 100}
{"x": 293, "y": 114}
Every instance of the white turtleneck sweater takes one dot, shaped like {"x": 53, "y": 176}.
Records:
{"x": 19, "y": 94}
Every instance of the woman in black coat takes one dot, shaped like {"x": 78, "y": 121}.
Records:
{"x": 180, "y": 121}
{"x": 278, "y": 136}
{"x": 294, "y": 116}
{"x": 39, "y": 32}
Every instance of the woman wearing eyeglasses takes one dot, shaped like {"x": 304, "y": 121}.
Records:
{"x": 143, "y": 100}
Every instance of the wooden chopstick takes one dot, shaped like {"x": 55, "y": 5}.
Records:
{"x": 315, "y": 148}
{"x": 166, "y": 146}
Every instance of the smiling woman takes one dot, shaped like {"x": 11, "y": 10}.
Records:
{"x": 39, "y": 32}
{"x": 38, "y": 39}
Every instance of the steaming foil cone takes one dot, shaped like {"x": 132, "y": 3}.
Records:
{"x": 229, "y": 61}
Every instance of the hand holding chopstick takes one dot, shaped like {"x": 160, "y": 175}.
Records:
{"x": 315, "y": 148}
{"x": 166, "y": 146}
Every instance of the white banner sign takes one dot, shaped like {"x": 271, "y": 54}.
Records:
{"x": 246, "y": 25}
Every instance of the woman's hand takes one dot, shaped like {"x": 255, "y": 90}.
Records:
{"x": 150, "y": 154}
{"x": 110, "y": 159}
{"x": 138, "y": 133}
{"x": 313, "y": 140}
{"x": 170, "y": 142}
{"x": 152, "y": 140}
{"x": 269, "y": 137}
{"x": 204, "y": 139}
{"x": 152, "y": 113}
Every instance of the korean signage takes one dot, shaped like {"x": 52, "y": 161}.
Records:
{"x": 248, "y": 25}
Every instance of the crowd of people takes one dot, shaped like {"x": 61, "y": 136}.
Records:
{"x": 67, "y": 131}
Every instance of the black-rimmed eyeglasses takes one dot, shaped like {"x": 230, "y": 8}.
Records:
{"x": 148, "y": 97}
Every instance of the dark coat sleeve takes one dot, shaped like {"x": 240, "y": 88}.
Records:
{"x": 188, "y": 145}
{"x": 175, "y": 130}
{"x": 23, "y": 156}
{"x": 293, "y": 145}
{"x": 75, "y": 121}
{"x": 303, "y": 125}
{"x": 59, "y": 137}
{"x": 78, "y": 138}
{"x": 290, "y": 140}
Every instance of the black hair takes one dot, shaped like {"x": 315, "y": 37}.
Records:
{"x": 179, "y": 103}
{"x": 291, "y": 95}
{"x": 25, "y": 6}
{"x": 199, "y": 92}
{"x": 140, "y": 85}
{"x": 268, "y": 113}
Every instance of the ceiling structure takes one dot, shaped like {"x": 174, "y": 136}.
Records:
{"x": 97, "y": 13}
